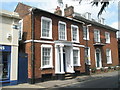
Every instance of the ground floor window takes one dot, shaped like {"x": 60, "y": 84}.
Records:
{"x": 108, "y": 56}
{"x": 5, "y": 64}
{"x": 46, "y": 56}
{"x": 76, "y": 56}
{"x": 87, "y": 56}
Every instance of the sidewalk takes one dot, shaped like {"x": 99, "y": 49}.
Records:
{"x": 62, "y": 83}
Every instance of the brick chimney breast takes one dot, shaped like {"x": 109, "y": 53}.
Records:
{"x": 68, "y": 11}
{"x": 58, "y": 11}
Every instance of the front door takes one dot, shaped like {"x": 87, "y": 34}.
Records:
{"x": 64, "y": 60}
{"x": 98, "y": 58}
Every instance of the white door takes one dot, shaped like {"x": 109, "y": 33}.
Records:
{"x": 69, "y": 59}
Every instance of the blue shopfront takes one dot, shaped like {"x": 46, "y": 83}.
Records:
{"x": 5, "y": 62}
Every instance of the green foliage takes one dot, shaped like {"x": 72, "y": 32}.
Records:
{"x": 102, "y": 69}
{"x": 93, "y": 70}
{"x": 109, "y": 67}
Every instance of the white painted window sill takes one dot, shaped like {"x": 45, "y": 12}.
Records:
{"x": 50, "y": 38}
{"x": 75, "y": 42}
{"x": 107, "y": 42}
{"x": 46, "y": 67}
{"x": 109, "y": 62}
{"x": 86, "y": 39}
{"x": 76, "y": 65}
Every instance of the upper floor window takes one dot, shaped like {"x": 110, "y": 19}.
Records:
{"x": 76, "y": 56}
{"x": 62, "y": 31}
{"x": 20, "y": 29}
{"x": 46, "y": 56}
{"x": 75, "y": 33}
{"x": 107, "y": 37}
{"x": 85, "y": 33}
{"x": 96, "y": 35}
{"x": 108, "y": 56}
{"x": 46, "y": 28}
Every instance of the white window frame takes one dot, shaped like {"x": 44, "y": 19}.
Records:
{"x": 20, "y": 29}
{"x": 78, "y": 64}
{"x": 98, "y": 36}
{"x": 60, "y": 22}
{"x": 107, "y": 40}
{"x": 109, "y": 61}
{"x": 50, "y": 32}
{"x": 87, "y": 33}
{"x": 75, "y": 26}
{"x": 51, "y": 56}
{"x": 88, "y": 57}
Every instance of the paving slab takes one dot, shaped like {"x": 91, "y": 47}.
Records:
{"x": 62, "y": 83}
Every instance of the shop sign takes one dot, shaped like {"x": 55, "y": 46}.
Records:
{"x": 5, "y": 48}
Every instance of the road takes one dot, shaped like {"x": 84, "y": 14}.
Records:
{"x": 107, "y": 81}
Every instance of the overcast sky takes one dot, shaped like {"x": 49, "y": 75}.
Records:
{"x": 110, "y": 14}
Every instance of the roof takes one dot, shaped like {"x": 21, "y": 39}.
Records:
{"x": 9, "y": 14}
{"x": 76, "y": 18}
{"x": 22, "y": 5}
{"x": 79, "y": 17}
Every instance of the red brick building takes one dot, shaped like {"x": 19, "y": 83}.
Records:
{"x": 57, "y": 44}
{"x": 119, "y": 49}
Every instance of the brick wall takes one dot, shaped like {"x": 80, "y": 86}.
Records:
{"x": 55, "y": 21}
{"x": 22, "y": 9}
{"x": 113, "y": 46}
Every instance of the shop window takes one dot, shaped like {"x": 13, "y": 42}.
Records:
{"x": 5, "y": 65}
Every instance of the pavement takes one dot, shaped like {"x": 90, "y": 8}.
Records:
{"x": 62, "y": 83}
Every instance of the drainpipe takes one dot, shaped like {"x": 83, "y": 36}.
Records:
{"x": 32, "y": 49}
{"x": 87, "y": 66}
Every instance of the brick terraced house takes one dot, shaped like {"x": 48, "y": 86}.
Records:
{"x": 57, "y": 44}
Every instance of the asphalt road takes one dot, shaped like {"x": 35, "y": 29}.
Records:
{"x": 108, "y": 81}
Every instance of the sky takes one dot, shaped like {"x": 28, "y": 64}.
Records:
{"x": 110, "y": 14}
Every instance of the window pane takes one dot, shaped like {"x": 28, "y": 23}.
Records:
{"x": 84, "y": 32}
{"x": 108, "y": 55}
{"x": 61, "y": 31}
{"x": 75, "y": 57}
{"x": 45, "y": 28}
{"x": 97, "y": 36}
{"x": 74, "y": 32}
{"x": 107, "y": 36}
{"x": 46, "y": 56}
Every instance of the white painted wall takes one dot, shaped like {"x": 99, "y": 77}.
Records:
{"x": 8, "y": 19}
{"x": 14, "y": 63}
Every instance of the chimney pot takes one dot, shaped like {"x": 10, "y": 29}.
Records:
{"x": 58, "y": 8}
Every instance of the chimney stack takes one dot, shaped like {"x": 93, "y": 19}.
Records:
{"x": 88, "y": 15}
{"x": 68, "y": 11}
{"x": 58, "y": 11}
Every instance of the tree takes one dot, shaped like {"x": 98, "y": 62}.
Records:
{"x": 104, "y": 4}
